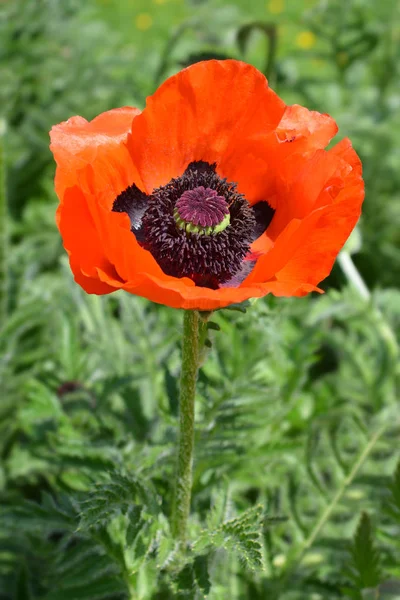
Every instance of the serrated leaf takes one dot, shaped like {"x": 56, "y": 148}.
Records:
{"x": 365, "y": 566}
{"x": 90, "y": 569}
{"x": 74, "y": 555}
{"x": 118, "y": 496}
{"x": 241, "y": 535}
{"x": 47, "y": 516}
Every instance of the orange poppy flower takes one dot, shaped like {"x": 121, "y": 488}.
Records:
{"x": 215, "y": 193}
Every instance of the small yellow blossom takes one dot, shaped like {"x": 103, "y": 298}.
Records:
{"x": 276, "y": 6}
{"x": 306, "y": 40}
{"x": 144, "y": 21}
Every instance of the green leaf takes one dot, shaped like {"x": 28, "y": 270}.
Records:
{"x": 213, "y": 325}
{"x": 107, "y": 588}
{"x": 241, "y": 535}
{"x": 23, "y": 588}
{"x": 185, "y": 579}
{"x": 118, "y": 496}
{"x": 47, "y": 516}
{"x": 365, "y": 568}
{"x": 240, "y": 306}
{"x": 135, "y": 524}
{"x": 395, "y": 493}
{"x": 200, "y": 567}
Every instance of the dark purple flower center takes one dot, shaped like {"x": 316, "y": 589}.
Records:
{"x": 197, "y": 226}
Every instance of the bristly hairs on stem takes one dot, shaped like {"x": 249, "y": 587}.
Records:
{"x": 184, "y": 468}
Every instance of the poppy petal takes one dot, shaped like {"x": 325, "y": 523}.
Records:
{"x": 119, "y": 244}
{"x": 90, "y": 285}
{"x": 76, "y": 143}
{"x": 300, "y": 184}
{"x": 314, "y": 258}
{"x": 82, "y": 242}
{"x": 313, "y": 129}
{"x": 256, "y": 163}
{"x": 182, "y": 293}
{"x": 305, "y": 251}
{"x": 201, "y": 113}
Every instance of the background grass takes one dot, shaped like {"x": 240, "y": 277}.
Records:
{"x": 296, "y": 492}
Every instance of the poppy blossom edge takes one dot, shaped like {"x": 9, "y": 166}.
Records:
{"x": 212, "y": 138}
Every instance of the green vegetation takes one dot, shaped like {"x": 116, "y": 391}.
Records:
{"x": 296, "y": 491}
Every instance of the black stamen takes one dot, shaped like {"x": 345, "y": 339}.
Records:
{"x": 209, "y": 260}
{"x": 211, "y": 257}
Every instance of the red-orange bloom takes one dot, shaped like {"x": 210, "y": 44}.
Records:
{"x": 215, "y": 193}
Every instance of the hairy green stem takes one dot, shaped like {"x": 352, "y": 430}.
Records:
{"x": 3, "y": 229}
{"x": 183, "y": 477}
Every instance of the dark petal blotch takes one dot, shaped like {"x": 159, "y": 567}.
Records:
{"x": 134, "y": 203}
{"x": 263, "y": 214}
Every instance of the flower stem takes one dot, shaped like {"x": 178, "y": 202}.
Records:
{"x": 183, "y": 477}
{"x": 350, "y": 270}
{"x": 357, "y": 282}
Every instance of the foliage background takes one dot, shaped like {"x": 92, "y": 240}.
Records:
{"x": 296, "y": 491}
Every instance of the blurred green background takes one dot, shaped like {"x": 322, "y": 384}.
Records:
{"x": 297, "y": 406}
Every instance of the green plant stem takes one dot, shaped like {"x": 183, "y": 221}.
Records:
{"x": 309, "y": 541}
{"x": 3, "y": 229}
{"x": 295, "y": 559}
{"x": 183, "y": 477}
{"x": 351, "y": 272}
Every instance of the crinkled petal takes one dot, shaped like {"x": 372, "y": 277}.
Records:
{"x": 101, "y": 143}
{"x": 313, "y": 129}
{"x": 304, "y": 252}
{"x": 205, "y": 112}
{"x": 256, "y": 162}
